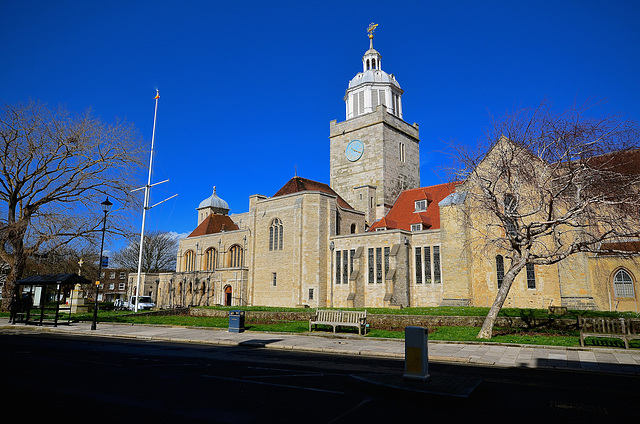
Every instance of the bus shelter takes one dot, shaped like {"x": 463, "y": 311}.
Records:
{"x": 42, "y": 298}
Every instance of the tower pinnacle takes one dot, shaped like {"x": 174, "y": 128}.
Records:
{"x": 373, "y": 87}
{"x": 370, "y": 30}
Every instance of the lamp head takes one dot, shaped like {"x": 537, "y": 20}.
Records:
{"x": 106, "y": 206}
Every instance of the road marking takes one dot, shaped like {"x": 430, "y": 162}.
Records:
{"x": 239, "y": 380}
{"x": 355, "y": 408}
{"x": 286, "y": 375}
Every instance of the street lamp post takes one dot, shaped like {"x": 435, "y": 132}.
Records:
{"x": 106, "y": 206}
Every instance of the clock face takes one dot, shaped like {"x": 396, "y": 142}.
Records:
{"x": 354, "y": 150}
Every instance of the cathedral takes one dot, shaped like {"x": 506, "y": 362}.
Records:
{"x": 372, "y": 237}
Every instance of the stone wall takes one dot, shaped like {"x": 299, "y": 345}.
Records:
{"x": 399, "y": 322}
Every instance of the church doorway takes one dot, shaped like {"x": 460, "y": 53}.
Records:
{"x": 227, "y": 296}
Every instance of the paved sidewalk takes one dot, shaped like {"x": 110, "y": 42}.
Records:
{"x": 586, "y": 359}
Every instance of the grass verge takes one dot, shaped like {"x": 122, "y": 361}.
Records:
{"x": 462, "y": 334}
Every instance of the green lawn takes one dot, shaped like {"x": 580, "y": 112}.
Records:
{"x": 501, "y": 335}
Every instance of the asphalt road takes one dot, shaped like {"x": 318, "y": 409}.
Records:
{"x": 94, "y": 380}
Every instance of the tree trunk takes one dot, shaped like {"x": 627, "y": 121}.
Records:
{"x": 10, "y": 287}
{"x": 16, "y": 273}
{"x": 487, "y": 327}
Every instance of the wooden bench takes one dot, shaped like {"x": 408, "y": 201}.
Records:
{"x": 340, "y": 319}
{"x": 617, "y": 328}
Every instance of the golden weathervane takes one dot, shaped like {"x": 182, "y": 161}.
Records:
{"x": 371, "y": 29}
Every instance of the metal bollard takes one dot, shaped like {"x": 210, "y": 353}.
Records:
{"x": 416, "y": 360}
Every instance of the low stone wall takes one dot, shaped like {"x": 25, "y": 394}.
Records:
{"x": 399, "y": 322}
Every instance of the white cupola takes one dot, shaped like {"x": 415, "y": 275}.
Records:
{"x": 212, "y": 205}
{"x": 373, "y": 86}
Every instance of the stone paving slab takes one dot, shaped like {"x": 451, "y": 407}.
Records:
{"x": 624, "y": 361}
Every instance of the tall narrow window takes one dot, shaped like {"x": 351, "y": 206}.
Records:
{"x": 356, "y": 106}
{"x": 211, "y": 259}
{"x": 276, "y": 235}
{"x": 190, "y": 261}
{"x": 352, "y": 253}
{"x": 271, "y": 238}
{"x": 274, "y": 279}
{"x": 310, "y": 294}
{"x": 345, "y": 267}
{"x": 371, "y": 266}
{"x": 531, "y": 276}
{"x": 510, "y": 209}
{"x": 436, "y": 265}
{"x": 378, "y": 265}
{"x": 235, "y": 256}
{"x": 510, "y": 204}
{"x": 499, "y": 269}
{"x": 338, "y": 273}
{"x": 427, "y": 265}
{"x": 623, "y": 284}
{"x": 387, "y": 252}
{"x": 418, "y": 265}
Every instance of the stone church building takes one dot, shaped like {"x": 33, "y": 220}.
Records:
{"x": 371, "y": 238}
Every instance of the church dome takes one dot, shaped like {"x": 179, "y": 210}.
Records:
{"x": 214, "y": 202}
{"x": 373, "y": 76}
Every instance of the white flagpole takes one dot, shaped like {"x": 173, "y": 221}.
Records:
{"x": 147, "y": 190}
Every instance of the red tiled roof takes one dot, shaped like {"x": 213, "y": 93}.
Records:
{"x": 626, "y": 162}
{"x": 386, "y": 223}
{"x": 298, "y": 184}
{"x": 214, "y": 223}
{"x": 403, "y": 213}
{"x": 624, "y": 246}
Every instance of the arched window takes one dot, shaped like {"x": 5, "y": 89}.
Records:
{"x": 210, "y": 259}
{"x": 190, "y": 261}
{"x": 275, "y": 235}
{"x": 499, "y": 269}
{"x": 235, "y": 256}
{"x": 623, "y": 284}
{"x": 353, "y": 228}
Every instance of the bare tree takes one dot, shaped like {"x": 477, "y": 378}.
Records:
{"x": 550, "y": 185}
{"x": 55, "y": 169}
{"x": 159, "y": 250}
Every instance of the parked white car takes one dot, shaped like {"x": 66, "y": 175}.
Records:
{"x": 145, "y": 303}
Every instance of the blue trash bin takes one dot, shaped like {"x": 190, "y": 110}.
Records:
{"x": 236, "y": 321}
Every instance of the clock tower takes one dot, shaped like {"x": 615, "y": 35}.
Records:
{"x": 374, "y": 153}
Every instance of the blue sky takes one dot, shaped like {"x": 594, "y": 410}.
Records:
{"x": 248, "y": 88}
